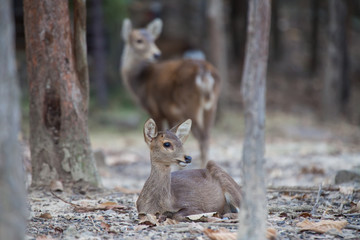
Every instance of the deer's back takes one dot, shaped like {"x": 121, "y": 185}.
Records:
{"x": 169, "y": 88}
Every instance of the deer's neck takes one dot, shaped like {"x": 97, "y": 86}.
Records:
{"x": 156, "y": 195}
{"x": 160, "y": 180}
{"x": 134, "y": 70}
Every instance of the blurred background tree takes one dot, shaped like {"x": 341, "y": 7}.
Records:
{"x": 298, "y": 63}
{"x": 12, "y": 185}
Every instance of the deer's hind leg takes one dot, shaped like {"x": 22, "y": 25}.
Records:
{"x": 231, "y": 189}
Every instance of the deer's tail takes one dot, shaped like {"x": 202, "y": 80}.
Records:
{"x": 205, "y": 82}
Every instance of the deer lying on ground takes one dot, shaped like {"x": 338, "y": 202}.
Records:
{"x": 170, "y": 91}
{"x": 186, "y": 192}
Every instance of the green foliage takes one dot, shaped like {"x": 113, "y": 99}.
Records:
{"x": 115, "y": 11}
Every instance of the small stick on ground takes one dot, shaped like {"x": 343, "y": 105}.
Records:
{"x": 317, "y": 202}
{"x": 351, "y": 226}
{"x": 65, "y": 201}
{"x": 292, "y": 209}
{"x": 93, "y": 223}
{"x": 79, "y": 208}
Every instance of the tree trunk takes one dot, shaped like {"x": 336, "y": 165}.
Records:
{"x": 253, "y": 212}
{"x": 276, "y": 34}
{"x": 59, "y": 141}
{"x": 315, "y": 7}
{"x": 238, "y": 23}
{"x": 99, "y": 60}
{"x": 12, "y": 183}
{"x": 218, "y": 39}
{"x": 336, "y": 78}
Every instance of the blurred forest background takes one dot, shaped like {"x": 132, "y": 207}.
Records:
{"x": 314, "y": 44}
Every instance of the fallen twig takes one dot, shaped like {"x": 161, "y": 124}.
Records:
{"x": 65, "y": 201}
{"x": 354, "y": 227}
{"x": 93, "y": 223}
{"x": 304, "y": 189}
{"x": 103, "y": 206}
{"x": 305, "y": 208}
{"x": 187, "y": 225}
{"x": 317, "y": 202}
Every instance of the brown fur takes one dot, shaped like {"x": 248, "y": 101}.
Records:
{"x": 185, "y": 192}
{"x": 168, "y": 90}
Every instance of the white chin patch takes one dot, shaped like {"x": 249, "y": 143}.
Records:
{"x": 183, "y": 164}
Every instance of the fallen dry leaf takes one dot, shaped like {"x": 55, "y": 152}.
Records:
{"x": 225, "y": 234}
{"x": 271, "y": 233}
{"x": 46, "y": 216}
{"x": 105, "y": 226}
{"x": 140, "y": 227}
{"x": 355, "y": 208}
{"x": 148, "y": 219}
{"x": 126, "y": 190}
{"x": 305, "y": 215}
{"x": 202, "y": 217}
{"x": 221, "y": 234}
{"x": 99, "y": 218}
{"x": 169, "y": 221}
{"x": 102, "y": 206}
{"x": 107, "y": 204}
{"x": 322, "y": 226}
{"x": 346, "y": 190}
{"x": 151, "y": 220}
{"x": 43, "y": 237}
{"x": 56, "y": 186}
{"x": 312, "y": 170}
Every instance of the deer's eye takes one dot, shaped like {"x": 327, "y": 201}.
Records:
{"x": 139, "y": 41}
{"x": 167, "y": 144}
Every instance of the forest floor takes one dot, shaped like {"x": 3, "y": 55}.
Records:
{"x": 303, "y": 156}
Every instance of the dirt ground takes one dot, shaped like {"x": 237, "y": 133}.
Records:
{"x": 303, "y": 156}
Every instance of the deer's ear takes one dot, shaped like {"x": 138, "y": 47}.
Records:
{"x": 155, "y": 27}
{"x": 150, "y": 131}
{"x": 182, "y": 130}
{"x": 126, "y": 29}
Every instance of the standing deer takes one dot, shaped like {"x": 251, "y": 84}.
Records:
{"x": 186, "y": 192}
{"x": 170, "y": 91}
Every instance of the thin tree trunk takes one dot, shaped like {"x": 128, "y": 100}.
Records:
{"x": 276, "y": 34}
{"x": 238, "y": 22}
{"x": 253, "y": 212}
{"x": 12, "y": 184}
{"x": 336, "y": 79}
{"x": 99, "y": 53}
{"x": 59, "y": 141}
{"x": 315, "y": 7}
{"x": 218, "y": 39}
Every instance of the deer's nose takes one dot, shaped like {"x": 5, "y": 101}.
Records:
{"x": 187, "y": 159}
{"x": 157, "y": 55}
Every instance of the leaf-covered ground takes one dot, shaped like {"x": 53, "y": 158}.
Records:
{"x": 303, "y": 157}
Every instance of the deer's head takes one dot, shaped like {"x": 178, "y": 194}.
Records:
{"x": 167, "y": 147}
{"x": 141, "y": 42}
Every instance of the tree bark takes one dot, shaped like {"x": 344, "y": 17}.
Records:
{"x": 336, "y": 78}
{"x": 12, "y": 183}
{"x": 218, "y": 39}
{"x": 80, "y": 47}
{"x": 253, "y": 211}
{"x": 59, "y": 141}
